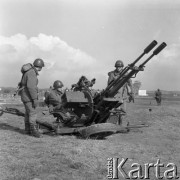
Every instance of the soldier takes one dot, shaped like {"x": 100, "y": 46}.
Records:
{"x": 53, "y": 98}
{"x": 158, "y": 96}
{"x": 29, "y": 95}
{"x": 125, "y": 91}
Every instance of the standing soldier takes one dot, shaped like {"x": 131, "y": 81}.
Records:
{"x": 158, "y": 97}
{"x": 29, "y": 95}
{"x": 125, "y": 91}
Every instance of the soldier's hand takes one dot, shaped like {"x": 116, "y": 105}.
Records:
{"x": 35, "y": 103}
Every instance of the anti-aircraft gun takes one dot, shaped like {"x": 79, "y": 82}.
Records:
{"x": 104, "y": 102}
{"x": 85, "y": 114}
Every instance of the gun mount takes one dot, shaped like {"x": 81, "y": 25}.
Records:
{"x": 101, "y": 113}
{"x": 87, "y": 115}
{"x": 11, "y": 111}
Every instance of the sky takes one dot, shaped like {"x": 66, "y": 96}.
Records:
{"x": 86, "y": 37}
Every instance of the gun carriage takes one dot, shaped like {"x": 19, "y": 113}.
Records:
{"x": 87, "y": 114}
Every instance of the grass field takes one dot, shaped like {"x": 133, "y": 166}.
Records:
{"x": 23, "y": 157}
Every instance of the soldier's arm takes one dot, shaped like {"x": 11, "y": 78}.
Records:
{"x": 110, "y": 78}
{"x": 46, "y": 100}
{"x": 129, "y": 82}
{"x": 54, "y": 103}
{"x": 131, "y": 91}
{"x": 32, "y": 85}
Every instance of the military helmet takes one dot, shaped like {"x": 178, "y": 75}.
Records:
{"x": 57, "y": 84}
{"x": 119, "y": 63}
{"x": 38, "y": 63}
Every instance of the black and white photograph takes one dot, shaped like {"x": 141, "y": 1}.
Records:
{"x": 89, "y": 89}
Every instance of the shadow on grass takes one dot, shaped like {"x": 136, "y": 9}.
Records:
{"x": 79, "y": 136}
{"x": 5, "y": 126}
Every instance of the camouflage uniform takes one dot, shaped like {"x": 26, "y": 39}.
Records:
{"x": 29, "y": 97}
{"x": 123, "y": 93}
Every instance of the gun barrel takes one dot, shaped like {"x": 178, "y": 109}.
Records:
{"x": 146, "y": 50}
{"x": 112, "y": 89}
{"x": 125, "y": 70}
{"x": 121, "y": 81}
{"x": 155, "y": 52}
{"x": 150, "y": 47}
{"x": 159, "y": 48}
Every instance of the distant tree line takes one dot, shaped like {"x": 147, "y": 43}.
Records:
{"x": 7, "y": 90}
{"x": 11, "y": 90}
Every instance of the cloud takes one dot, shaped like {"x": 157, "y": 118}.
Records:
{"x": 172, "y": 51}
{"x": 67, "y": 63}
{"x": 61, "y": 60}
{"x": 19, "y": 41}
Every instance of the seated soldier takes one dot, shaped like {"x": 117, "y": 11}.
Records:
{"x": 53, "y": 97}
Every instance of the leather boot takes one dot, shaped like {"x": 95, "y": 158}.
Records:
{"x": 27, "y": 128}
{"x": 34, "y": 131}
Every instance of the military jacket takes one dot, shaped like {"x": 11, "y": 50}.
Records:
{"x": 158, "y": 94}
{"x": 29, "y": 83}
{"x": 127, "y": 88}
{"x": 54, "y": 98}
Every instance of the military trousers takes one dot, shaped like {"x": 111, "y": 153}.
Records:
{"x": 158, "y": 100}
{"x": 30, "y": 116}
{"x": 122, "y": 118}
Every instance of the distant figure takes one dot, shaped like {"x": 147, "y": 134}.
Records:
{"x": 158, "y": 97}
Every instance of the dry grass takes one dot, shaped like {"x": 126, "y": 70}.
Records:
{"x": 23, "y": 157}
